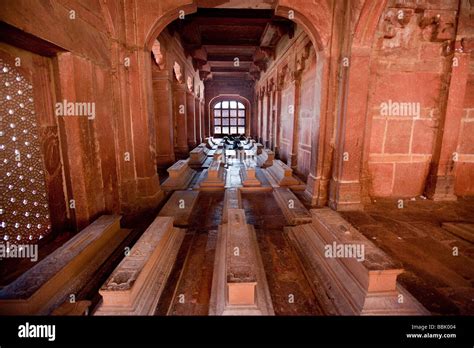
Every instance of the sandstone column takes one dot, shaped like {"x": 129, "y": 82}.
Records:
{"x": 180, "y": 126}
{"x": 440, "y": 185}
{"x": 163, "y": 103}
{"x": 293, "y": 157}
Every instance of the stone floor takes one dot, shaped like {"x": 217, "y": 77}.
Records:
{"x": 189, "y": 287}
{"x": 413, "y": 235}
{"x": 290, "y": 291}
{"x": 441, "y": 280}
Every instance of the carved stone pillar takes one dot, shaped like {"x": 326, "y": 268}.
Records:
{"x": 267, "y": 116}
{"x": 180, "y": 126}
{"x": 163, "y": 106}
{"x": 293, "y": 157}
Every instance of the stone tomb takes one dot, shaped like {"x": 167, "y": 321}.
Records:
{"x": 265, "y": 159}
{"x": 197, "y": 157}
{"x": 210, "y": 144}
{"x": 248, "y": 175}
{"x": 218, "y": 155}
{"x": 180, "y": 206}
{"x": 47, "y": 285}
{"x": 213, "y": 178}
{"x": 232, "y": 200}
{"x": 356, "y": 277}
{"x": 294, "y": 211}
{"x": 239, "y": 285}
{"x": 135, "y": 286}
{"x": 279, "y": 174}
{"x": 180, "y": 176}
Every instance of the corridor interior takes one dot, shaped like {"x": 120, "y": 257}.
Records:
{"x": 237, "y": 158}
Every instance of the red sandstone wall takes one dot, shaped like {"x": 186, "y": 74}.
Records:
{"x": 214, "y": 88}
{"x": 288, "y": 88}
{"x": 307, "y": 114}
{"x": 408, "y": 66}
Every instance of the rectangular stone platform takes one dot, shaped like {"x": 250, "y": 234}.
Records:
{"x": 265, "y": 159}
{"x": 212, "y": 178}
{"x": 248, "y": 175}
{"x": 239, "y": 285}
{"x": 232, "y": 200}
{"x": 279, "y": 174}
{"x": 180, "y": 206}
{"x": 47, "y": 285}
{"x": 180, "y": 176}
{"x": 294, "y": 211}
{"x": 135, "y": 286}
{"x": 218, "y": 155}
{"x": 354, "y": 276}
{"x": 197, "y": 157}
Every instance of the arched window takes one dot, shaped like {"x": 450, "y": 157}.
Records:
{"x": 229, "y": 117}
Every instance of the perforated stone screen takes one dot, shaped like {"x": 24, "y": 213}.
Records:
{"x": 24, "y": 212}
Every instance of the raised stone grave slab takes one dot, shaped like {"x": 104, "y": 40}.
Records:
{"x": 248, "y": 175}
{"x": 232, "y": 200}
{"x": 212, "y": 178}
{"x": 460, "y": 229}
{"x": 294, "y": 211}
{"x": 210, "y": 144}
{"x": 180, "y": 206}
{"x": 279, "y": 174}
{"x": 180, "y": 176}
{"x": 197, "y": 157}
{"x": 265, "y": 159}
{"x": 218, "y": 155}
{"x": 47, "y": 285}
{"x": 356, "y": 276}
{"x": 135, "y": 286}
{"x": 239, "y": 285}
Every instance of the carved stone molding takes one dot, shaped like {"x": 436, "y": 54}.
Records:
{"x": 396, "y": 18}
{"x": 438, "y": 25}
{"x": 158, "y": 55}
{"x": 177, "y": 72}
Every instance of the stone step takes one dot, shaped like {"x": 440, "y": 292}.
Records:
{"x": 356, "y": 277}
{"x": 180, "y": 176}
{"x": 180, "y": 206}
{"x": 48, "y": 284}
{"x": 294, "y": 211}
{"x": 239, "y": 285}
{"x": 135, "y": 286}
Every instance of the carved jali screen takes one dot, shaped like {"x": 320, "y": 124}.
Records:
{"x": 24, "y": 212}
